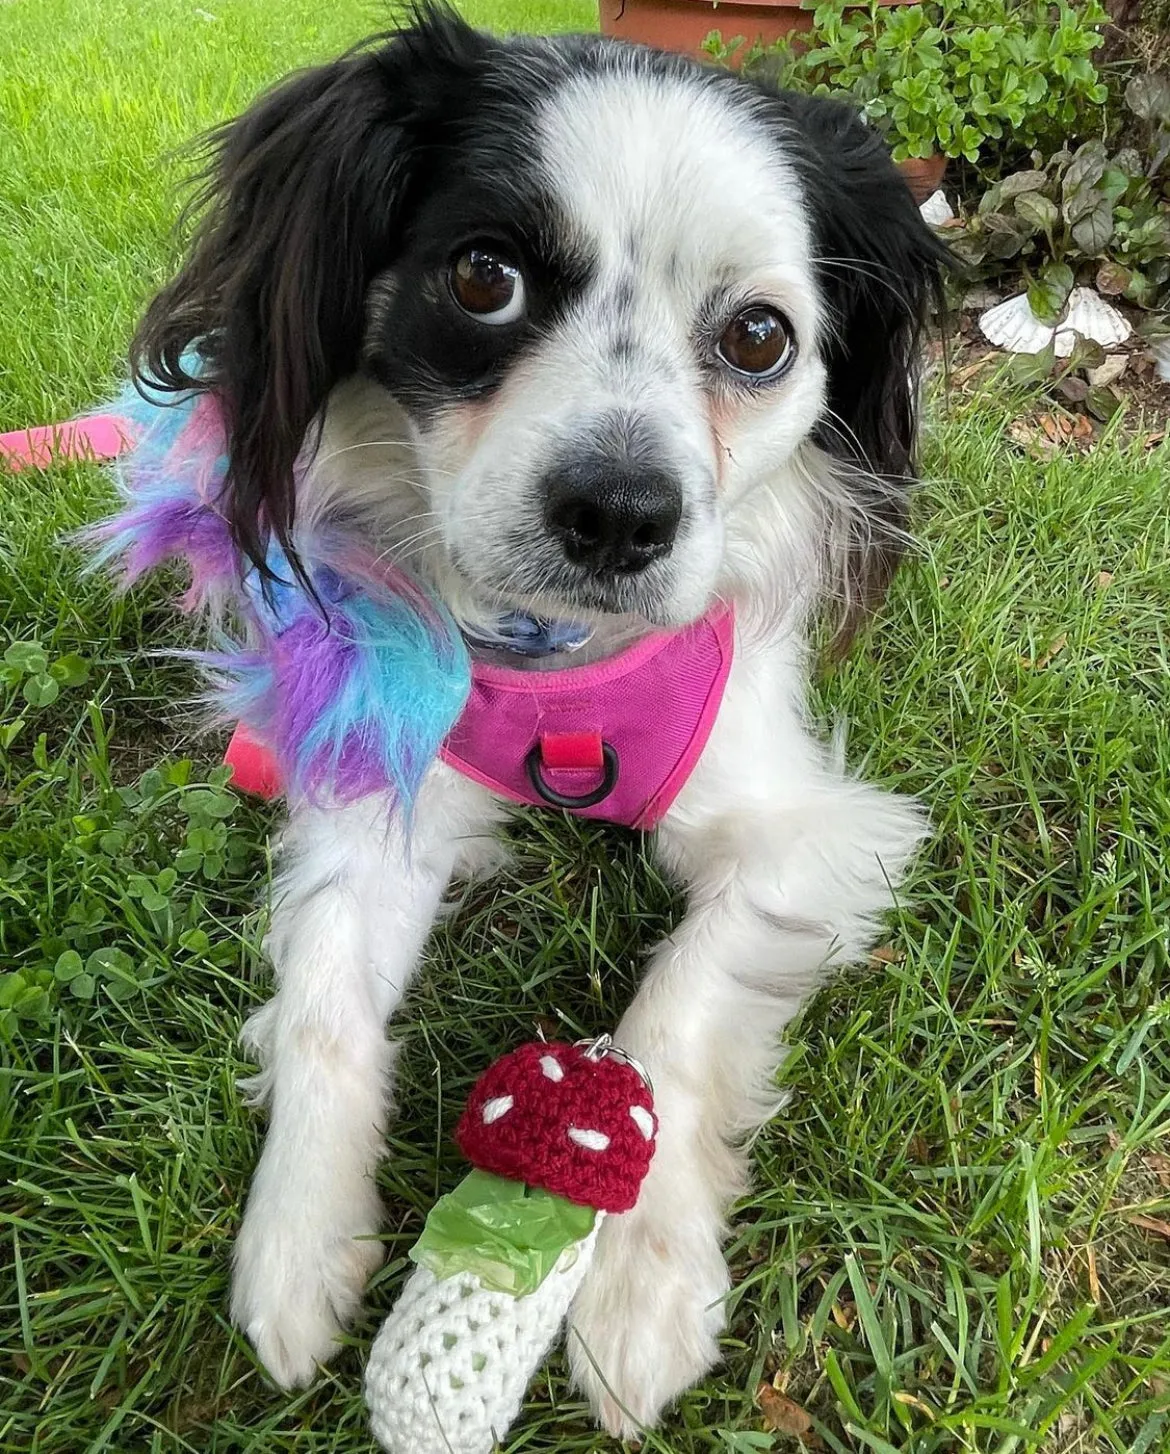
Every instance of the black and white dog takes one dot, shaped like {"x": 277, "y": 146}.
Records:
{"x": 584, "y": 330}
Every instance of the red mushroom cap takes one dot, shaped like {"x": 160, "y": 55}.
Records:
{"x": 572, "y": 1119}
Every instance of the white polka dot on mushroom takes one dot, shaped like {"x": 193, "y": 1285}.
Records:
{"x": 551, "y": 1067}
{"x": 590, "y": 1140}
{"x": 644, "y": 1121}
{"x": 495, "y": 1108}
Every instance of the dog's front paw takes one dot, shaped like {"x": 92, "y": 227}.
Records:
{"x": 646, "y": 1323}
{"x": 298, "y": 1280}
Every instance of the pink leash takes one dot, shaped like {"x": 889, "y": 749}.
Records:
{"x": 101, "y": 436}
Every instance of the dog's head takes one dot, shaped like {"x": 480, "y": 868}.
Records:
{"x": 613, "y": 293}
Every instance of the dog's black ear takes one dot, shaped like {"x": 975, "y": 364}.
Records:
{"x": 302, "y": 202}
{"x": 879, "y": 268}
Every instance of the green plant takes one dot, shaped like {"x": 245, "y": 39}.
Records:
{"x": 1082, "y": 216}
{"x": 139, "y": 861}
{"x": 978, "y": 1120}
{"x": 968, "y": 78}
{"x": 29, "y": 679}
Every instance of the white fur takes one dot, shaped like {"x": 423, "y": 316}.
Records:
{"x": 350, "y": 917}
{"x": 788, "y": 862}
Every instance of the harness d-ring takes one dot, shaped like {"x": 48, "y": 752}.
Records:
{"x": 609, "y": 777}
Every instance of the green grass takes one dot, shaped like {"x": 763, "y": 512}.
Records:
{"x": 973, "y": 1121}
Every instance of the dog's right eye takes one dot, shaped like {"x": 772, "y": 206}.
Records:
{"x": 488, "y": 286}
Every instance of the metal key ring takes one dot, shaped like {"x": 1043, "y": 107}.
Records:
{"x": 601, "y": 1047}
{"x": 606, "y": 786}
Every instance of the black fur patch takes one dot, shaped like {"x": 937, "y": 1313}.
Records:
{"x": 879, "y": 266}
{"x": 330, "y": 212}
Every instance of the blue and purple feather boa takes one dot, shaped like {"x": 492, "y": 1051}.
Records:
{"x": 353, "y": 693}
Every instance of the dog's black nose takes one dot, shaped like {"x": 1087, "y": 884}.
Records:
{"x": 612, "y": 519}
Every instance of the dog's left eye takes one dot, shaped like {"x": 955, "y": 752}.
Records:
{"x": 757, "y": 342}
{"x": 488, "y": 286}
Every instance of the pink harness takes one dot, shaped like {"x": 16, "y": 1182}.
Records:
{"x": 616, "y": 740}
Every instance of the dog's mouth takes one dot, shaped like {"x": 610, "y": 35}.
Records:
{"x": 568, "y": 597}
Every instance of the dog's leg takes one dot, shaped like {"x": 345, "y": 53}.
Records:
{"x": 774, "y": 901}
{"x": 351, "y": 914}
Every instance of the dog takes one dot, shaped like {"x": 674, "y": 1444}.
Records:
{"x": 613, "y": 343}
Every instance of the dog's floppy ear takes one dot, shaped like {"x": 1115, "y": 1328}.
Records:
{"x": 303, "y": 200}
{"x": 879, "y": 267}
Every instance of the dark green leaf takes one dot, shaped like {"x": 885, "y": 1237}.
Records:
{"x": 1114, "y": 184}
{"x": 1038, "y": 210}
{"x": 1140, "y": 290}
{"x": 41, "y": 690}
{"x": 12, "y": 986}
{"x": 27, "y": 656}
{"x": 1086, "y": 353}
{"x": 969, "y": 247}
{"x": 1018, "y": 184}
{"x": 209, "y": 803}
{"x": 33, "y": 1004}
{"x": 1048, "y": 293}
{"x": 1094, "y": 230}
{"x": 109, "y": 963}
{"x": 1102, "y": 403}
{"x": 1033, "y": 368}
{"x": 1148, "y": 96}
{"x": 71, "y": 670}
{"x": 1084, "y": 172}
{"x": 151, "y": 783}
{"x": 68, "y": 966}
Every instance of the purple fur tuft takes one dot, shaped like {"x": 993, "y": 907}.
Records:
{"x": 353, "y": 692}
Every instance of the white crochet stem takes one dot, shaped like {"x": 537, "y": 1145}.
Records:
{"x": 450, "y": 1365}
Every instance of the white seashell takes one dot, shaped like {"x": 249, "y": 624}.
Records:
{"x": 1090, "y": 316}
{"x": 495, "y": 1108}
{"x": 1161, "y": 353}
{"x": 936, "y": 209}
{"x": 1013, "y": 326}
{"x": 1109, "y": 372}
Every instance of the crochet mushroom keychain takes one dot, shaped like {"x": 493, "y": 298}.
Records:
{"x": 559, "y": 1136}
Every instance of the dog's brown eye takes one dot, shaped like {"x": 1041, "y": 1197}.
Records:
{"x": 757, "y": 342}
{"x": 488, "y": 286}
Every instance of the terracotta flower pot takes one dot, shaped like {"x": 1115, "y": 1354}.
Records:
{"x": 924, "y": 175}
{"x": 683, "y": 25}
